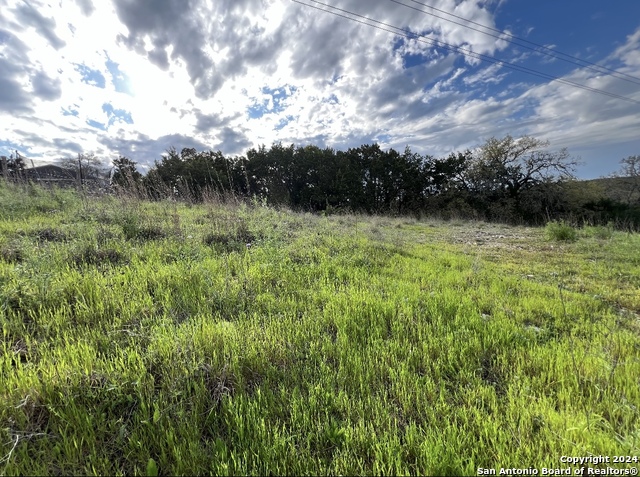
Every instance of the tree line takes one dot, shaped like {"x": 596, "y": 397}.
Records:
{"x": 514, "y": 180}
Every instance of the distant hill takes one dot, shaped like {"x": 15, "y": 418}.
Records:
{"x": 620, "y": 189}
{"x": 49, "y": 172}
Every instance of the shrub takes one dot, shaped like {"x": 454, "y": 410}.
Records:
{"x": 560, "y": 232}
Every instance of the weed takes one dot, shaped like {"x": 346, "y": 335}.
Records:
{"x": 130, "y": 225}
{"x": 601, "y": 232}
{"x": 134, "y": 230}
{"x": 11, "y": 254}
{"x": 50, "y": 235}
{"x": 104, "y": 235}
{"x": 223, "y": 243}
{"x": 560, "y": 232}
{"x": 89, "y": 255}
{"x": 150, "y": 233}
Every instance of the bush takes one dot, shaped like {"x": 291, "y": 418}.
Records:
{"x": 560, "y": 232}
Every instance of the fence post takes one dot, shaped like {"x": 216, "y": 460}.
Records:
{"x": 5, "y": 168}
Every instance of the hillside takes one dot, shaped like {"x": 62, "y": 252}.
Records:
{"x": 170, "y": 338}
{"x": 622, "y": 189}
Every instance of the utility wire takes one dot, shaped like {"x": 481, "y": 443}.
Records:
{"x": 456, "y": 49}
{"x": 514, "y": 39}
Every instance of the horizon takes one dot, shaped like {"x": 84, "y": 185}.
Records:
{"x": 30, "y": 163}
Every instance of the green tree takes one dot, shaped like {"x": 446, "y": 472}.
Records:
{"x": 272, "y": 174}
{"x": 125, "y": 173}
{"x": 193, "y": 174}
{"x": 170, "y": 170}
{"x": 444, "y": 182}
{"x": 319, "y": 179}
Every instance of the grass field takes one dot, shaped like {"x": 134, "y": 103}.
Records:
{"x": 169, "y": 338}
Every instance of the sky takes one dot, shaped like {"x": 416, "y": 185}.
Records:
{"x": 136, "y": 77}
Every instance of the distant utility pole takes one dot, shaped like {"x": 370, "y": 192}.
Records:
{"x": 36, "y": 171}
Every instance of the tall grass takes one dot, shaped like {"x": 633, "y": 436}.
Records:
{"x": 247, "y": 340}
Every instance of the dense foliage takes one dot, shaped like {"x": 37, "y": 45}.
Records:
{"x": 507, "y": 180}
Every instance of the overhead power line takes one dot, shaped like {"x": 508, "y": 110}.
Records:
{"x": 456, "y": 49}
{"x": 538, "y": 48}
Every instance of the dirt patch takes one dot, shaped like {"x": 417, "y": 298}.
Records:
{"x": 493, "y": 236}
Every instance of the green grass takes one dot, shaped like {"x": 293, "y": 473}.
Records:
{"x": 167, "y": 338}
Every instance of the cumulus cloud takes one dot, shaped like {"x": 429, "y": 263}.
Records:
{"x": 28, "y": 14}
{"x": 45, "y": 87}
{"x": 197, "y": 37}
{"x": 13, "y": 98}
{"x": 234, "y": 141}
{"x": 138, "y": 76}
{"x": 86, "y": 6}
{"x": 145, "y": 149}
{"x": 629, "y": 52}
{"x": 13, "y": 58}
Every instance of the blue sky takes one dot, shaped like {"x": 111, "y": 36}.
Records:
{"x": 137, "y": 77}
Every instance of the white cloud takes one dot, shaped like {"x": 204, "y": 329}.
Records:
{"x": 192, "y": 70}
{"x": 629, "y": 52}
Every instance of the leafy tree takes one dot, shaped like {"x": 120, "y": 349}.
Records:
{"x": 272, "y": 174}
{"x": 629, "y": 174}
{"x": 125, "y": 173}
{"x": 170, "y": 170}
{"x": 352, "y": 178}
{"x": 507, "y": 166}
{"x": 402, "y": 180}
{"x": 211, "y": 170}
{"x": 313, "y": 176}
{"x": 323, "y": 178}
{"x": 446, "y": 175}
{"x": 369, "y": 184}
{"x": 190, "y": 173}
{"x": 260, "y": 173}
{"x": 444, "y": 183}
{"x": 502, "y": 169}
